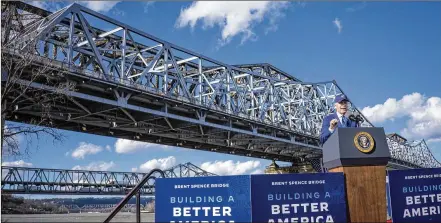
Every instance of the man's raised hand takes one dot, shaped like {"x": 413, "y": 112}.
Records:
{"x": 333, "y": 123}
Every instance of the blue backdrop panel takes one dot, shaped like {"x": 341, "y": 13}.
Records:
{"x": 298, "y": 198}
{"x": 415, "y": 195}
{"x": 217, "y": 198}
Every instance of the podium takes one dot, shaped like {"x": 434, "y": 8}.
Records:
{"x": 362, "y": 155}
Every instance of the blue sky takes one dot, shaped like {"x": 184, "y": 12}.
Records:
{"x": 385, "y": 56}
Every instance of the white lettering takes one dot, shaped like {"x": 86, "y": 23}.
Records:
{"x": 176, "y": 212}
{"x": 302, "y": 219}
{"x": 293, "y": 208}
{"x": 314, "y": 207}
{"x": 409, "y": 200}
{"x": 216, "y": 211}
{"x": 323, "y": 206}
{"x": 275, "y": 209}
{"x": 406, "y": 213}
{"x": 186, "y": 212}
{"x": 424, "y": 211}
{"x": 226, "y": 211}
{"x": 196, "y": 211}
{"x": 417, "y": 200}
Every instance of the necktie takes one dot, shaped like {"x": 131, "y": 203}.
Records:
{"x": 343, "y": 121}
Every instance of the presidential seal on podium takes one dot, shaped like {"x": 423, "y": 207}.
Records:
{"x": 364, "y": 142}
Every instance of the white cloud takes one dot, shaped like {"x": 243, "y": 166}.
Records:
{"x": 233, "y": 17}
{"x": 100, "y": 6}
{"x": 39, "y": 4}
{"x": 147, "y": 5}
{"x": 86, "y": 149}
{"x": 258, "y": 171}
{"x": 108, "y": 148}
{"x": 230, "y": 168}
{"x": 18, "y": 163}
{"x": 51, "y": 6}
{"x": 436, "y": 140}
{"x": 301, "y": 4}
{"x": 337, "y": 23}
{"x": 163, "y": 164}
{"x": 393, "y": 108}
{"x": 423, "y": 115}
{"x": 425, "y": 121}
{"x": 357, "y": 7}
{"x": 131, "y": 146}
{"x": 97, "y": 166}
{"x": 118, "y": 12}
{"x": 227, "y": 167}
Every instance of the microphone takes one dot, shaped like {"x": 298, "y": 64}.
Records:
{"x": 360, "y": 118}
{"x": 352, "y": 118}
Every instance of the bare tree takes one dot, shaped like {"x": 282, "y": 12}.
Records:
{"x": 21, "y": 67}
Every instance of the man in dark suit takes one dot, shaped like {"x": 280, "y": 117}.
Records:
{"x": 337, "y": 119}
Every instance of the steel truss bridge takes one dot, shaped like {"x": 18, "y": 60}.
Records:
{"x": 130, "y": 84}
{"x": 23, "y": 180}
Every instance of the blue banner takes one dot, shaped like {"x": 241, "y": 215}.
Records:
{"x": 203, "y": 199}
{"x": 298, "y": 198}
{"x": 415, "y": 195}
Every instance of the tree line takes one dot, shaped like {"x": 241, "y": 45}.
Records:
{"x": 19, "y": 205}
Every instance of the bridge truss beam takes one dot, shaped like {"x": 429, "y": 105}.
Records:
{"x": 130, "y": 84}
